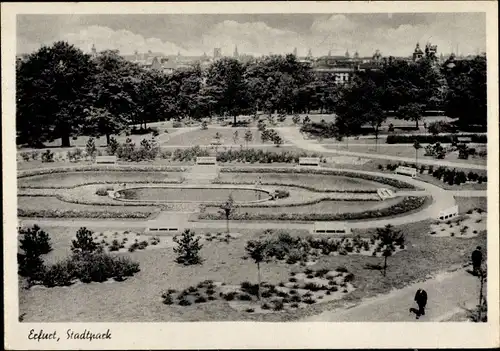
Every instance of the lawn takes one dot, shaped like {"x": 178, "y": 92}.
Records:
{"x": 138, "y": 299}
{"x": 317, "y": 181}
{"x": 323, "y": 207}
{"x": 37, "y": 203}
{"x": 205, "y": 137}
{"x": 469, "y": 203}
{"x": 78, "y": 178}
{"x": 405, "y": 150}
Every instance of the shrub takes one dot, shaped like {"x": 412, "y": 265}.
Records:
{"x": 431, "y": 139}
{"x": 34, "y": 241}
{"x": 249, "y": 310}
{"x": 229, "y": 296}
{"x": 59, "y": 274}
{"x": 245, "y": 297}
{"x": 26, "y": 156}
{"x": 342, "y": 269}
{"x": 167, "y": 299}
{"x": 281, "y": 194}
{"x": 201, "y": 299}
{"x": 184, "y": 302}
{"x": 115, "y": 245}
{"x": 48, "y": 156}
{"x": 309, "y": 301}
{"x": 103, "y": 191}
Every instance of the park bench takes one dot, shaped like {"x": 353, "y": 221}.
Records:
{"x": 206, "y": 161}
{"x": 409, "y": 171}
{"x": 109, "y": 160}
{"x": 330, "y": 228}
{"x": 309, "y": 161}
{"x": 447, "y": 214}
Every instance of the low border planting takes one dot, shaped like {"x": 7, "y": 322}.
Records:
{"x": 388, "y": 181}
{"x": 80, "y": 214}
{"x": 408, "y": 204}
{"x": 173, "y": 181}
{"x": 96, "y": 168}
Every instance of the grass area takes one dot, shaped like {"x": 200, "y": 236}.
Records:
{"x": 205, "y": 137}
{"x": 469, "y": 203}
{"x": 317, "y": 181}
{"x": 404, "y": 150}
{"x": 52, "y": 203}
{"x": 323, "y": 207}
{"x": 77, "y": 178}
{"x": 192, "y": 194}
{"x": 138, "y": 299}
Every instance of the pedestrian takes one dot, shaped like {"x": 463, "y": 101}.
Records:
{"x": 477, "y": 260}
{"x": 421, "y": 300}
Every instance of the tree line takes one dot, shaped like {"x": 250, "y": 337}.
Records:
{"x": 62, "y": 92}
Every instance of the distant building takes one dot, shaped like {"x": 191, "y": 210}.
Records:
{"x": 344, "y": 67}
{"x": 417, "y": 53}
{"x": 217, "y": 53}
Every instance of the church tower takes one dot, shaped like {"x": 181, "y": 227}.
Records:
{"x": 235, "y": 54}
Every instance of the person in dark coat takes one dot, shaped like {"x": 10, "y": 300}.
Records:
{"x": 477, "y": 260}
{"x": 421, "y": 300}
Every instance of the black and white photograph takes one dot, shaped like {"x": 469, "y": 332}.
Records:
{"x": 250, "y": 166}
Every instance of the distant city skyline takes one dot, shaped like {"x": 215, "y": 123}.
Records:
{"x": 258, "y": 34}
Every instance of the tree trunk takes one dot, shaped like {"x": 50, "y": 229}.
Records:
{"x": 385, "y": 264}
{"x": 416, "y": 157}
{"x": 234, "y": 120}
{"x": 227, "y": 224}
{"x": 65, "y": 140}
{"x": 480, "y": 312}
{"x": 416, "y": 123}
{"x": 258, "y": 280}
{"x": 107, "y": 139}
{"x": 376, "y": 138}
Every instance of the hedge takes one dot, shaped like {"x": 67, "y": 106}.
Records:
{"x": 392, "y": 182}
{"x": 431, "y": 139}
{"x": 79, "y": 214}
{"x": 261, "y": 156}
{"x": 409, "y": 203}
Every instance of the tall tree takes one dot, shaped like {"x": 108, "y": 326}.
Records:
{"x": 466, "y": 98}
{"x": 225, "y": 80}
{"x": 257, "y": 250}
{"x": 52, "y": 93}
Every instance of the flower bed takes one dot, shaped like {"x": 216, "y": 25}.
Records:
{"x": 176, "y": 181}
{"x": 392, "y": 182}
{"x": 408, "y": 204}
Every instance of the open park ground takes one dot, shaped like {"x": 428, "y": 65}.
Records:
{"x": 55, "y": 199}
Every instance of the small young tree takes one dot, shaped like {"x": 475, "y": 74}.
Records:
{"x": 248, "y": 137}
{"x": 204, "y": 125}
{"x": 218, "y": 136}
{"x": 84, "y": 242}
{"x": 282, "y": 117}
{"x": 265, "y": 135}
{"x": 91, "y": 148}
{"x": 228, "y": 209}
{"x": 257, "y": 250}
{"x": 306, "y": 120}
{"x": 296, "y": 119}
{"x": 277, "y": 140}
{"x": 188, "y": 248}
{"x": 389, "y": 237}
{"x": 235, "y": 137}
{"x": 113, "y": 145}
{"x": 261, "y": 126}
{"x": 416, "y": 146}
{"x": 34, "y": 243}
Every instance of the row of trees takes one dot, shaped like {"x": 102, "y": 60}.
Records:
{"x": 62, "y": 92}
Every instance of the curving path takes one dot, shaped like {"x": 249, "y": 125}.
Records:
{"x": 293, "y": 135}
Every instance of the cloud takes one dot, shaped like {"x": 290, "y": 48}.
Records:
{"x": 251, "y": 38}
{"x": 123, "y": 40}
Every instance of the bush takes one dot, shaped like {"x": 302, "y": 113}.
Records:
{"x": 167, "y": 299}
{"x": 84, "y": 242}
{"x": 103, "y": 191}
{"x": 250, "y": 288}
{"x": 188, "y": 248}
{"x": 281, "y": 194}
{"x": 26, "y": 156}
{"x": 48, "y": 156}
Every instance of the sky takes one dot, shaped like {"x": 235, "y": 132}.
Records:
{"x": 258, "y": 34}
